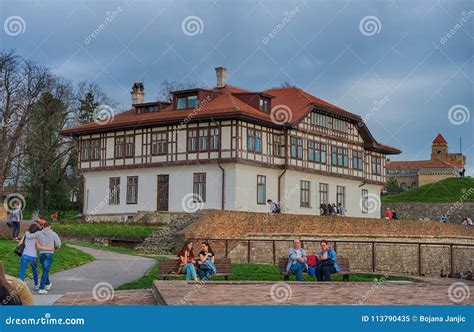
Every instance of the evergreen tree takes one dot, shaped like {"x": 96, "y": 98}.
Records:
{"x": 87, "y": 105}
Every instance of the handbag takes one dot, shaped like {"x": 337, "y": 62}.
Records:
{"x": 20, "y": 247}
{"x": 327, "y": 262}
{"x": 9, "y": 223}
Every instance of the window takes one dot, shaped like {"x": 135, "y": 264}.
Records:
{"x": 340, "y": 125}
{"x": 95, "y": 149}
{"x": 376, "y": 165}
{"x": 214, "y": 138}
{"x": 296, "y": 147}
{"x": 254, "y": 140}
{"x": 159, "y": 143}
{"x": 317, "y": 152}
{"x": 132, "y": 189}
{"x": 339, "y": 157}
{"x": 199, "y": 187}
{"x": 203, "y": 139}
{"x": 114, "y": 191}
{"x": 85, "y": 150}
{"x": 119, "y": 143}
{"x": 304, "y": 193}
{"x": 323, "y": 193}
{"x": 187, "y": 102}
{"x": 192, "y": 140}
{"x": 124, "y": 146}
{"x": 264, "y": 105}
{"x": 129, "y": 146}
{"x": 365, "y": 201}
{"x": 318, "y": 119}
{"x": 90, "y": 149}
{"x": 278, "y": 145}
{"x": 341, "y": 195}
{"x": 358, "y": 160}
{"x": 261, "y": 189}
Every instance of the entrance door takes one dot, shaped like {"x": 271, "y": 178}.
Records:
{"x": 163, "y": 192}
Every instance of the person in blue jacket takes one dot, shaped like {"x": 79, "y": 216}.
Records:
{"x": 327, "y": 262}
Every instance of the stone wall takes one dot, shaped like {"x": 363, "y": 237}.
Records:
{"x": 431, "y": 210}
{"x": 396, "y": 247}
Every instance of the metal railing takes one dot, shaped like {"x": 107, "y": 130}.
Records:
{"x": 374, "y": 244}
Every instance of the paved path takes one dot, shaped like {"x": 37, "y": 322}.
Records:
{"x": 179, "y": 292}
{"x": 109, "y": 267}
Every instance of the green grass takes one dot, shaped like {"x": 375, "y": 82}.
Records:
{"x": 64, "y": 258}
{"x": 120, "y": 250}
{"x": 117, "y": 230}
{"x": 251, "y": 272}
{"x": 448, "y": 190}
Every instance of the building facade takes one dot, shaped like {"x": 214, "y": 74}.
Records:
{"x": 232, "y": 149}
{"x": 415, "y": 173}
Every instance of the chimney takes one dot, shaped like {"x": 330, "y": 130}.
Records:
{"x": 221, "y": 75}
{"x": 138, "y": 93}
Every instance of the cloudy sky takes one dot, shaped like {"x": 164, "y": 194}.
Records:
{"x": 405, "y": 66}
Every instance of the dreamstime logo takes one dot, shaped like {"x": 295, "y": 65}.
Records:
{"x": 192, "y": 203}
{"x": 370, "y": 25}
{"x": 14, "y": 25}
{"x": 281, "y": 114}
{"x": 371, "y": 203}
{"x": 103, "y": 114}
{"x": 281, "y": 292}
{"x": 377, "y": 107}
{"x": 459, "y": 114}
{"x": 11, "y": 200}
{"x": 459, "y": 292}
{"x": 109, "y": 17}
{"x": 192, "y": 26}
{"x": 465, "y": 17}
{"x": 288, "y": 17}
{"x": 103, "y": 292}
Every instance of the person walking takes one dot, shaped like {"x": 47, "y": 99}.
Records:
{"x": 388, "y": 214}
{"x": 394, "y": 214}
{"x": 49, "y": 241}
{"x": 14, "y": 219}
{"x": 29, "y": 255}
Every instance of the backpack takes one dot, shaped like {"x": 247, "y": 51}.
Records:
{"x": 311, "y": 260}
{"x": 277, "y": 208}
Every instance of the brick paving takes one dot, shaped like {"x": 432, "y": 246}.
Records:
{"x": 129, "y": 297}
{"x": 309, "y": 293}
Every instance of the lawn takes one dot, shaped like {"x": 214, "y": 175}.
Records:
{"x": 117, "y": 230}
{"x": 64, "y": 258}
{"x": 254, "y": 272}
{"x": 448, "y": 190}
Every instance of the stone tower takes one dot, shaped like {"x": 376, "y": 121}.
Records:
{"x": 439, "y": 148}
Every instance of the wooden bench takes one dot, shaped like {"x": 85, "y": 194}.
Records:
{"x": 342, "y": 261}
{"x": 169, "y": 268}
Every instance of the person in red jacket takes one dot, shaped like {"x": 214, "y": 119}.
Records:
{"x": 54, "y": 216}
{"x": 388, "y": 214}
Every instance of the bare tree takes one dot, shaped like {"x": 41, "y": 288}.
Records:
{"x": 21, "y": 85}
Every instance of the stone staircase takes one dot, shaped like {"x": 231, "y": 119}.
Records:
{"x": 165, "y": 240}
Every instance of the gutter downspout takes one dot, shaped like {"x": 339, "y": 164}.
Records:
{"x": 285, "y": 167}
{"x": 223, "y": 186}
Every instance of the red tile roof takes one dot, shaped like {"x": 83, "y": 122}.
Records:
{"x": 225, "y": 105}
{"x": 440, "y": 139}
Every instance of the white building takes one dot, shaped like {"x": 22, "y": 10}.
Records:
{"x": 229, "y": 148}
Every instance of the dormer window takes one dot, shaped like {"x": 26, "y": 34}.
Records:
{"x": 265, "y": 105}
{"x": 187, "y": 102}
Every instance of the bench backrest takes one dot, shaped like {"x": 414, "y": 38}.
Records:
{"x": 168, "y": 266}
{"x": 342, "y": 261}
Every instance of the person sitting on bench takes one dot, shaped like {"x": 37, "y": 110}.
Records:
{"x": 206, "y": 262}
{"x": 327, "y": 264}
{"x": 297, "y": 260}
{"x": 186, "y": 261}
